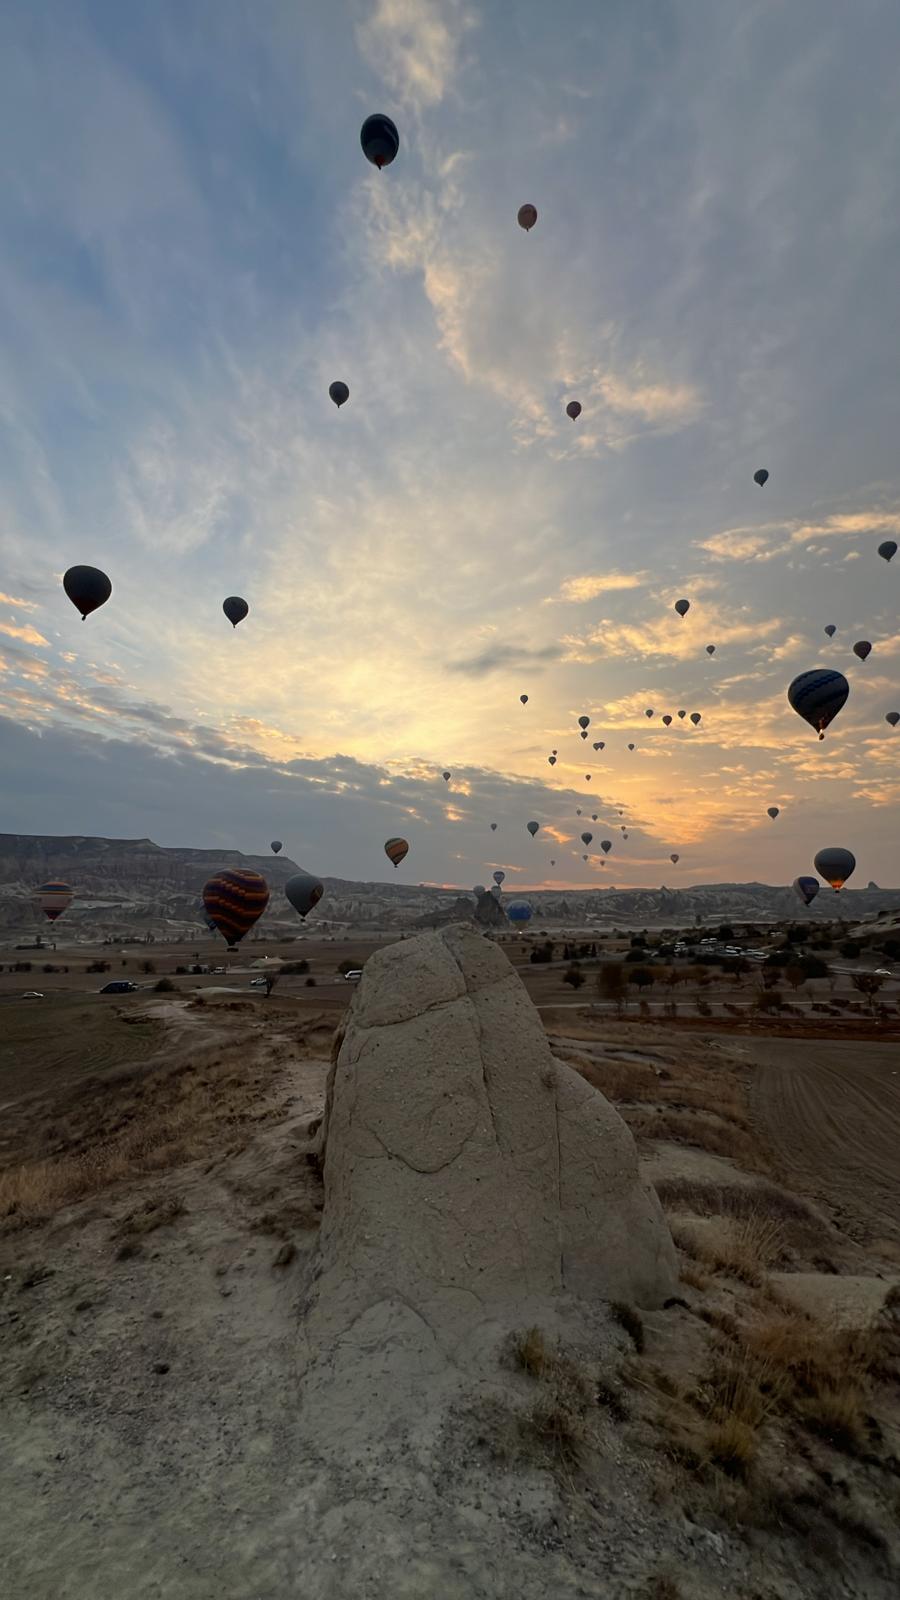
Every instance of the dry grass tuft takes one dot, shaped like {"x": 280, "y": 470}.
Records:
{"x": 556, "y": 1428}
{"x": 753, "y": 1243}
{"x": 694, "y": 1278}
{"x": 531, "y": 1352}
{"x": 706, "y": 1199}
{"x": 720, "y": 1137}
{"x": 147, "y": 1218}
{"x": 630, "y": 1319}
{"x": 662, "y": 1586}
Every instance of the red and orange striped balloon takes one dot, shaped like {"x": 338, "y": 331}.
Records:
{"x": 53, "y": 898}
{"x": 234, "y": 899}
{"x": 395, "y": 850}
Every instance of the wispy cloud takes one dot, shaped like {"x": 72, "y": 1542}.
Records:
{"x": 21, "y": 605}
{"x": 414, "y": 45}
{"x": 26, "y": 633}
{"x": 590, "y": 585}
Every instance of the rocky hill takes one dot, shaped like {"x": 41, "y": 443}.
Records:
{"x": 128, "y": 886}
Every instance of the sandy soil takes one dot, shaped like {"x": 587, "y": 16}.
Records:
{"x": 831, "y": 1113}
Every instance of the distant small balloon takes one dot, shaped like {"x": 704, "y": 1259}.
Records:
{"x": 606, "y": 846}
{"x": 888, "y": 549}
{"x": 498, "y": 877}
{"x": 304, "y": 892}
{"x": 527, "y": 217}
{"x": 696, "y": 718}
{"x": 587, "y": 777}
{"x": 275, "y": 846}
{"x": 586, "y": 838}
{"x": 682, "y": 715}
{"x": 667, "y": 720}
{"x": 493, "y": 827}
{"x": 524, "y": 699}
{"x": 339, "y": 393}
{"x": 379, "y": 139}
{"x": 806, "y": 889}
{"x": 682, "y": 607}
{"x": 772, "y": 811}
{"x": 710, "y": 649}
{"x": 892, "y": 718}
{"x": 761, "y": 476}
{"x": 573, "y": 410}
{"x": 396, "y": 850}
{"x": 533, "y": 828}
{"x": 675, "y": 859}
{"x": 584, "y": 722}
{"x": 830, "y": 629}
{"x": 599, "y": 745}
{"x": 862, "y": 648}
{"x": 648, "y": 712}
{"x": 552, "y": 760}
{"x": 235, "y": 609}
{"x": 446, "y": 776}
{"x": 631, "y": 747}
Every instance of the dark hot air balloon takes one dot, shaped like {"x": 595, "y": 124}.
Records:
{"x": 524, "y": 699}
{"x": 446, "y": 776}
{"x": 631, "y": 747}
{"x": 682, "y": 607}
{"x": 275, "y": 846}
{"x": 772, "y": 811}
{"x": 675, "y": 860}
{"x": 818, "y": 695}
{"x": 761, "y": 476}
{"x": 234, "y": 899}
{"x": 830, "y": 629}
{"x": 606, "y": 846}
{"x": 303, "y": 891}
{"x": 892, "y": 718}
{"x": 710, "y": 649}
{"x": 379, "y": 139}
{"x": 806, "y": 889}
{"x": 573, "y": 410}
{"x": 87, "y": 588}
{"x": 533, "y": 828}
{"x": 648, "y": 712}
{"x": 552, "y": 760}
{"x": 888, "y": 549}
{"x": 667, "y": 720}
{"x": 339, "y": 393}
{"x": 835, "y": 865}
{"x": 493, "y": 827}
{"x": 396, "y": 850}
{"x": 862, "y": 648}
{"x": 235, "y": 609}
{"x": 586, "y": 838}
{"x": 682, "y": 715}
{"x": 527, "y": 217}
{"x": 498, "y": 877}
{"x": 519, "y": 911}
{"x": 53, "y": 898}
{"x": 696, "y": 718}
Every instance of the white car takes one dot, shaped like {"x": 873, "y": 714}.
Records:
{"x": 353, "y": 976}
{"x": 32, "y": 994}
{"x": 882, "y": 972}
{"x": 258, "y": 983}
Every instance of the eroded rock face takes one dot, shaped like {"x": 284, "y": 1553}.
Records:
{"x": 469, "y": 1175}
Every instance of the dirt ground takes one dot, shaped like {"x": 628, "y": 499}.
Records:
{"x": 158, "y": 1222}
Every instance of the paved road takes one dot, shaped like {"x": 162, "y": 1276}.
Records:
{"x": 831, "y": 1112}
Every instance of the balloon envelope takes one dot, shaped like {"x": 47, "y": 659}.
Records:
{"x": 303, "y": 891}
{"x": 524, "y": 699}
{"x": 235, "y": 609}
{"x": 830, "y": 629}
{"x": 532, "y": 827}
{"x": 552, "y": 760}
{"x": 586, "y": 838}
{"x": 682, "y": 607}
{"x": 892, "y": 718}
{"x": 606, "y": 846}
{"x": 674, "y": 860}
{"x": 862, "y": 648}
{"x": 379, "y": 139}
{"x": 667, "y": 720}
{"x": 339, "y": 393}
{"x": 888, "y": 549}
{"x": 806, "y": 889}
{"x": 87, "y": 588}
{"x": 493, "y": 827}
{"x": 710, "y": 649}
{"x": 573, "y": 410}
{"x": 446, "y": 776}
{"x": 761, "y": 476}
{"x": 772, "y": 812}
{"x": 527, "y": 217}
{"x": 396, "y": 850}
{"x": 498, "y": 878}
{"x": 584, "y": 722}
{"x": 234, "y": 899}
{"x": 648, "y": 712}
{"x": 275, "y": 846}
{"x": 695, "y": 718}
{"x": 835, "y": 865}
{"x": 53, "y": 898}
{"x": 519, "y": 911}
{"x": 818, "y": 695}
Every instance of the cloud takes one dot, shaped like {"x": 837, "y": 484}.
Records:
{"x": 588, "y": 587}
{"x": 23, "y": 605}
{"x": 495, "y": 656}
{"x": 27, "y": 634}
{"x": 745, "y": 544}
{"x": 414, "y": 45}
{"x": 664, "y": 638}
{"x": 849, "y": 524}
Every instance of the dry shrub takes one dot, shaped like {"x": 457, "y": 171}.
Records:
{"x": 753, "y": 1243}
{"x": 706, "y": 1199}
{"x": 827, "y": 1373}
{"x": 531, "y": 1352}
{"x": 705, "y": 1133}
{"x": 630, "y": 1319}
{"x": 662, "y": 1586}
{"x": 556, "y": 1428}
{"x": 692, "y": 1276}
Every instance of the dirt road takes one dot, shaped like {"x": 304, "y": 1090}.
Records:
{"x": 831, "y": 1113}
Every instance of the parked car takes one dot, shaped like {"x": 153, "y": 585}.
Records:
{"x": 32, "y": 994}
{"x": 353, "y": 976}
{"x": 882, "y": 972}
{"x": 119, "y": 986}
{"x": 258, "y": 983}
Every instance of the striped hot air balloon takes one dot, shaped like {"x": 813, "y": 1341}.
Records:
{"x": 817, "y": 696}
{"x": 234, "y": 900}
{"x": 53, "y": 898}
{"x": 396, "y": 850}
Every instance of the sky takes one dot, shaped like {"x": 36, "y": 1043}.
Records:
{"x": 193, "y": 247}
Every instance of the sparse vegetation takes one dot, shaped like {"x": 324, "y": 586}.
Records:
{"x": 629, "y": 1318}
{"x": 164, "y": 986}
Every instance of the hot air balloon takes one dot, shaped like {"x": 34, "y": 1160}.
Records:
{"x": 526, "y": 217}
{"x": 584, "y": 858}
{"x": 396, "y": 850}
{"x": 667, "y": 720}
{"x": 761, "y": 476}
{"x": 446, "y": 776}
{"x": 631, "y": 747}
{"x": 339, "y": 393}
{"x": 772, "y": 811}
{"x": 498, "y": 878}
{"x": 573, "y": 410}
{"x": 587, "y": 777}
{"x": 830, "y": 629}
{"x": 519, "y": 911}
{"x": 593, "y": 816}
{"x": 275, "y": 846}
{"x": 710, "y": 649}
{"x": 533, "y": 828}
{"x": 682, "y": 715}
{"x": 379, "y": 139}
{"x": 87, "y": 588}
{"x": 888, "y": 549}
{"x": 624, "y": 834}
{"x": 648, "y": 712}
{"x": 818, "y": 695}
{"x": 600, "y": 745}
{"x": 892, "y": 718}
{"x": 234, "y": 899}
{"x": 584, "y": 723}
{"x": 674, "y": 860}
{"x": 553, "y": 863}
{"x": 53, "y": 898}
{"x": 578, "y": 811}
{"x": 862, "y": 648}
{"x": 524, "y": 699}
{"x": 606, "y": 846}
{"x": 835, "y": 865}
{"x": 586, "y": 838}
{"x": 552, "y": 760}
{"x": 682, "y": 607}
{"x": 696, "y": 718}
{"x": 303, "y": 891}
{"x": 806, "y": 889}
{"x": 493, "y": 827}
{"x": 235, "y": 609}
